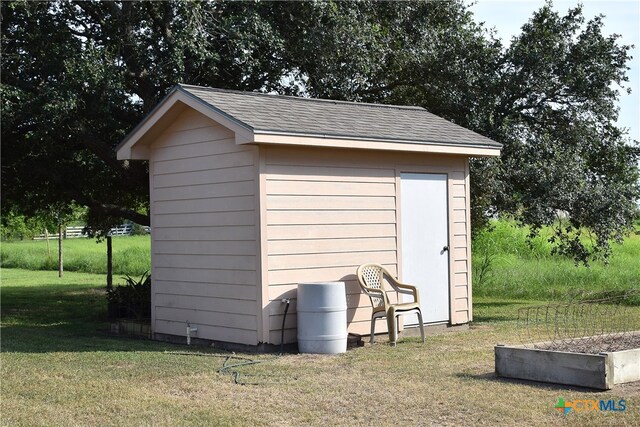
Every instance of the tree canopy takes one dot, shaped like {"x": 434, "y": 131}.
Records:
{"x": 77, "y": 76}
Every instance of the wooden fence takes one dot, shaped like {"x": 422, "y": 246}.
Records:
{"x": 76, "y": 232}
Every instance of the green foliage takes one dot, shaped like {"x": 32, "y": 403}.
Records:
{"x": 131, "y": 300}
{"x": 76, "y": 77}
{"x": 566, "y": 163}
{"x": 138, "y": 230}
{"x": 131, "y": 255}
{"x": 549, "y": 97}
{"x": 14, "y": 226}
{"x": 521, "y": 268}
{"x": 79, "y": 76}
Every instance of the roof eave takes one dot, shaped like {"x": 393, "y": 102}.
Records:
{"x": 333, "y": 141}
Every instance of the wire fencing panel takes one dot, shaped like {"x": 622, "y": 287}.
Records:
{"x": 595, "y": 326}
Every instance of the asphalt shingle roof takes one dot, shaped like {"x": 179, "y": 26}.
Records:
{"x": 290, "y": 115}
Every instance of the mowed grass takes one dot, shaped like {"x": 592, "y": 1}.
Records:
{"x": 519, "y": 270}
{"x": 131, "y": 255}
{"x": 59, "y": 367}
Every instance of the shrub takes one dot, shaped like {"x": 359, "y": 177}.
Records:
{"x": 131, "y": 300}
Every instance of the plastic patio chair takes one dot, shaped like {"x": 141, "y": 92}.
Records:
{"x": 371, "y": 278}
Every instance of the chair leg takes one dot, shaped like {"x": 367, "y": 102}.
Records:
{"x": 421, "y": 325}
{"x": 392, "y": 326}
{"x": 373, "y": 330}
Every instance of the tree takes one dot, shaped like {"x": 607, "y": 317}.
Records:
{"x": 77, "y": 76}
{"x": 549, "y": 98}
{"x": 565, "y": 163}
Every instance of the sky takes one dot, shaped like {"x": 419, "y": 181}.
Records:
{"x": 621, "y": 17}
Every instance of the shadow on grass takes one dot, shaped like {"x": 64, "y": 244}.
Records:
{"x": 491, "y": 377}
{"x": 62, "y": 318}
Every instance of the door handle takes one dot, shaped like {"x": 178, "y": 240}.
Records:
{"x": 444, "y": 249}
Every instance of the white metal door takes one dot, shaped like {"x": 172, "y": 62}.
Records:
{"x": 425, "y": 246}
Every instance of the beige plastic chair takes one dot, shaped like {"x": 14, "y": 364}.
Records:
{"x": 371, "y": 278}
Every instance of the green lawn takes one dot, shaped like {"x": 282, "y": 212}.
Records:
{"x": 59, "y": 367}
{"x": 131, "y": 255}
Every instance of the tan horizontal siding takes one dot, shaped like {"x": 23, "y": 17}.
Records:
{"x": 329, "y": 173}
{"x": 208, "y": 219}
{"x": 186, "y": 137}
{"x": 461, "y": 291}
{"x": 458, "y": 215}
{"x": 459, "y": 229}
{"x": 459, "y": 270}
{"x": 461, "y": 304}
{"x": 329, "y": 211}
{"x": 290, "y": 336}
{"x": 215, "y": 204}
{"x": 211, "y": 290}
{"x": 204, "y": 247}
{"x": 209, "y": 176}
{"x": 334, "y": 231}
{"x": 191, "y": 119}
{"x": 197, "y": 303}
{"x": 242, "y": 336}
{"x": 460, "y": 253}
{"x": 318, "y": 218}
{"x": 459, "y": 241}
{"x": 210, "y": 318}
{"x": 323, "y": 220}
{"x": 205, "y": 275}
{"x": 323, "y": 203}
{"x": 218, "y": 262}
{"x": 218, "y": 161}
{"x": 220, "y": 233}
{"x": 205, "y": 191}
{"x": 204, "y": 237}
{"x": 328, "y": 260}
{"x": 198, "y": 148}
{"x": 317, "y": 246}
{"x": 458, "y": 202}
{"x": 314, "y": 188}
{"x": 460, "y": 278}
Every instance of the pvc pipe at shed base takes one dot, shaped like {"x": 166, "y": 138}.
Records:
{"x": 322, "y": 318}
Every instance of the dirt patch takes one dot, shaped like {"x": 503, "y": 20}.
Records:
{"x": 594, "y": 345}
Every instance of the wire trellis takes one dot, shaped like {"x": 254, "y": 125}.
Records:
{"x": 592, "y": 327}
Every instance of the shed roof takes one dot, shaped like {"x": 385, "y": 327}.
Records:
{"x": 266, "y": 118}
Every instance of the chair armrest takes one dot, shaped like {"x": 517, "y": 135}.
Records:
{"x": 403, "y": 288}
{"x": 379, "y": 293}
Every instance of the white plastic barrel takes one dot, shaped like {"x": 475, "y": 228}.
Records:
{"x": 322, "y": 318}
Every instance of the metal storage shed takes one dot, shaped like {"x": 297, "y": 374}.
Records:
{"x": 252, "y": 194}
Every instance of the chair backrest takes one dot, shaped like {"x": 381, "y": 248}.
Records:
{"x": 372, "y": 276}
